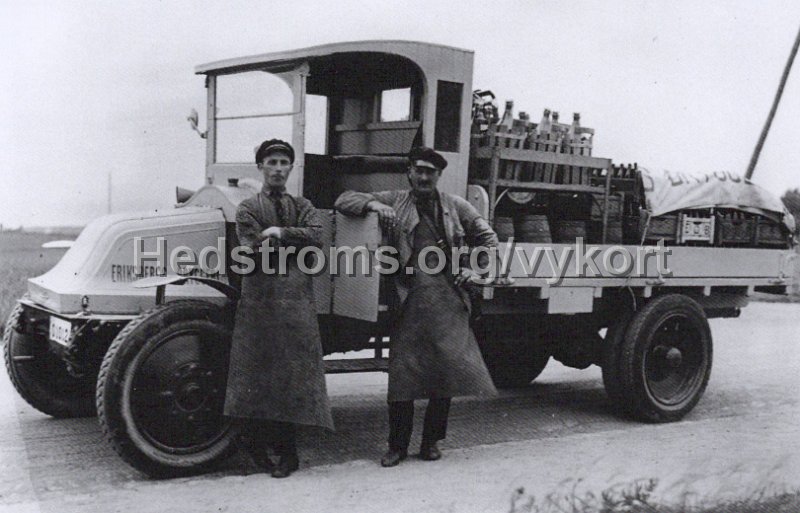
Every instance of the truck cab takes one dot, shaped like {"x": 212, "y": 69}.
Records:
{"x": 352, "y": 111}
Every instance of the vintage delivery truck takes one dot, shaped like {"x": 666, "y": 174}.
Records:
{"x": 146, "y": 348}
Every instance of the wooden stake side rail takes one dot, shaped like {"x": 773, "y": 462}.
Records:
{"x": 544, "y": 157}
{"x": 712, "y": 272}
{"x": 539, "y": 186}
{"x": 495, "y": 154}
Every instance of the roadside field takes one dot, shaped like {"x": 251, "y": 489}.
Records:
{"x": 22, "y": 257}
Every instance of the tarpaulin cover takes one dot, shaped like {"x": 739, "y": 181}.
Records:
{"x": 668, "y": 191}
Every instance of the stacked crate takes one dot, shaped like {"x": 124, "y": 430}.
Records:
{"x": 550, "y": 137}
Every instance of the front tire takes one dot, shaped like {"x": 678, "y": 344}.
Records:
{"x": 665, "y": 359}
{"x": 161, "y": 390}
{"x": 39, "y": 376}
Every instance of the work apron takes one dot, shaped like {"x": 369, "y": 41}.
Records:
{"x": 276, "y": 370}
{"x": 433, "y": 350}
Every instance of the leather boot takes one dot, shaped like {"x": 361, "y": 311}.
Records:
{"x": 287, "y": 464}
{"x": 393, "y": 457}
{"x": 429, "y": 452}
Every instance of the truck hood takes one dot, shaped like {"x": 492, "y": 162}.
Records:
{"x": 96, "y": 274}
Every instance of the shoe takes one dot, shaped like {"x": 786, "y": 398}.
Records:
{"x": 263, "y": 461}
{"x": 430, "y": 452}
{"x": 393, "y": 457}
{"x": 286, "y": 465}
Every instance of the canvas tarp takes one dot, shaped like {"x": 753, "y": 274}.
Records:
{"x": 668, "y": 191}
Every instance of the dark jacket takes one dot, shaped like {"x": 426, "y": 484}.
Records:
{"x": 276, "y": 370}
{"x": 463, "y": 225}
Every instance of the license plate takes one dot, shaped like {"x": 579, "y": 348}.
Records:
{"x": 60, "y": 330}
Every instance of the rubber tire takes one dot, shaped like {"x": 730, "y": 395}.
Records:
{"x": 512, "y": 360}
{"x": 639, "y": 403}
{"x": 519, "y": 371}
{"x": 115, "y": 417}
{"x": 611, "y": 359}
{"x": 73, "y": 397}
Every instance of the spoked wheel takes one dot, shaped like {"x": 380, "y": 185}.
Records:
{"x": 161, "y": 390}
{"x": 666, "y": 358}
{"x": 40, "y": 376}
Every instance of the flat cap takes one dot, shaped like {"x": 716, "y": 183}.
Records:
{"x": 427, "y": 155}
{"x": 271, "y": 146}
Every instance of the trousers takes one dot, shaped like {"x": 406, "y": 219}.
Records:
{"x": 281, "y": 437}
{"x": 401, "y": 422}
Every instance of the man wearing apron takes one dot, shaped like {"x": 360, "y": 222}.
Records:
{"x": 276, "y": 377}
{"x": 433, "y": 354}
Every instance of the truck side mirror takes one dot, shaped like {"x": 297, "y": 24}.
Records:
{"x": 193, "y": 120}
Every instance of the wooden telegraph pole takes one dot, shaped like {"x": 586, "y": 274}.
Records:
{"x": 775, "y": 102}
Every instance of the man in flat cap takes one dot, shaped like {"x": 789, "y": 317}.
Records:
{"x": 276, "y": 375}
{"x": 433, "y": 353}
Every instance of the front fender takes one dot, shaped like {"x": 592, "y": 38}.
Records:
{"x": 161, "y": 282}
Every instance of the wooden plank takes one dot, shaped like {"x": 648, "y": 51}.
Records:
{"x": 697, "y": 283}
{"x": 491, "y": 185}
{"x": 356, "y": 296}
{"x": 546, "y": 157}
{"x": 689, "y": 262}
{"x": 344, "y": 366}
{"x": 384, "y": 125}
{"x": 537, "y": 186}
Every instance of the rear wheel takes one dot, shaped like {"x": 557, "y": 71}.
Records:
{"x": 665, "y": 359}
{"x": 40, "y": 376}
{"x": 161, "y": 390}
{"x": 611, "y": 357}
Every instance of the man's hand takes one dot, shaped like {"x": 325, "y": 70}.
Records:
{"x": 273, "y": 232}
{"x": 466, "y": 276}
{"x": 386, "y": 215}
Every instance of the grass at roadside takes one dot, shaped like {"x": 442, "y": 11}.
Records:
{"x": 641, "y": 496}
{"x": 22, "y": 257}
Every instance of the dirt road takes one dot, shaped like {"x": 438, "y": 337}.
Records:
{"x": 744, "y": 434}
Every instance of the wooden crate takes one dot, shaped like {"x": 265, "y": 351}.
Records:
{"x": 614, "y": 207}
{"x": 769, "y": 233}
{"x": 631, "y": 230}
{"x": 661, "y": 227}
{"x": 735, "y": 230}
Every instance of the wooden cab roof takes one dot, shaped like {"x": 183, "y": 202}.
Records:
{"x": 433, "y": 60}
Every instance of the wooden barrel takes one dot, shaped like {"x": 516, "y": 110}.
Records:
{"x": 568, "y": 231}
{"x": 504, "y": 226}
{"x": 533, "y": 228}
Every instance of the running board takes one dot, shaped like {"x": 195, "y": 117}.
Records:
{"x": 344, "y": 366}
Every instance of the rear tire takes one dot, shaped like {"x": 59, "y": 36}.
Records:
{"x": 40, "y": 377}
{"x": 161, "y": 390}
{"x": 611, "y": 355}
{"x": 665, "y": 359}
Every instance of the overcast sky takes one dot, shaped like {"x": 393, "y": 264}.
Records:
{"x": 92, "y": 88}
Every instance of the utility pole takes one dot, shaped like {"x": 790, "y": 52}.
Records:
{"x": 775, "y": 102}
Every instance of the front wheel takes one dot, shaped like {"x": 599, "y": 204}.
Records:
{"x": 665, "y": 359}
{"x": 161, "y": 390}
{"x": 40, "y": 376}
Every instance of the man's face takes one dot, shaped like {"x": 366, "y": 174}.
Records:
{"x": 423, "y": 178}
{"x": 276, "y": 167}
